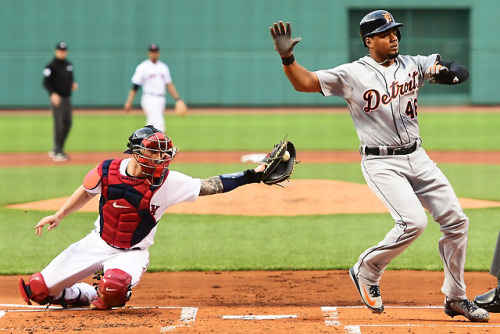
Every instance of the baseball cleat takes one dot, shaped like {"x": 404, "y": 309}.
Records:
{"x": 466, "y": 308}
{"x": 59, "y": 157}
{"x": 25, "y": 291}
{"x": 490, "y": 301}
{"x": 370, "y": 294}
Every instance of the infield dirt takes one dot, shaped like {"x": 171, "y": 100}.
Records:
{"x": 311, "y": 301}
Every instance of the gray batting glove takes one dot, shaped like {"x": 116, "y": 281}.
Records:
{"x": 282, "y": 38}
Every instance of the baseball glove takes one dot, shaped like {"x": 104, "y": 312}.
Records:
{"x": 180, "y": 108}
{"x": 280, "y": 163}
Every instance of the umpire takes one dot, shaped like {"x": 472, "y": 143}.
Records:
{"x": 59, "y": 83}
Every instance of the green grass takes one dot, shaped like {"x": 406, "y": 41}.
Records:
{"x": 213, "y": 242}
{"x": 463, "y": 131}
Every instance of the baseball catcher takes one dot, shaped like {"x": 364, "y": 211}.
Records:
{"x": 280, "y": 163}
{"x": 134, "y": 195}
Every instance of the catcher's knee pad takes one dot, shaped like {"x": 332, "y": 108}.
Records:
{"x": 36, "y": 290}
{"x": 115, "y": 287}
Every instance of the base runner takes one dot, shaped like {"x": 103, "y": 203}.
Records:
{"x": 381, "y": 90}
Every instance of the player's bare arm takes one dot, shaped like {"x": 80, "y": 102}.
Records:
{"x": 130, "y": 97}
{"x": 79, "y": 198}
{"x": 173, "y": 91}
{"x": 301, "y": 79}
{"x": 211, "y": 186}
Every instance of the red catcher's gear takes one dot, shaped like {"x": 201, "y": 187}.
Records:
{"x": 124, "y": 207}
{"x": 36, "y": 290}
{"x": 113, "y": 289}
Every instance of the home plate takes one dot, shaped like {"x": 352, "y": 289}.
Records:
{"x": 258, "y": 317}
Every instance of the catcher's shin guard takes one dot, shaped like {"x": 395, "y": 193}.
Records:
{"x": 36, "y": 290}
{"x": 114, "y": 289}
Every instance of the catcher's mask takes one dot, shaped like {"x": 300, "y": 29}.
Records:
{"x": 153, "y": 150}
{"x": 376, "y": 22}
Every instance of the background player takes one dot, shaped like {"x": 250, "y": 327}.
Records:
{"x": 135, "y": 193}
{"x": 381, "y": 91}
{"x": 154, "y": 75}
{"x": 490, "y": 301}
{"x": 59, "y": 83}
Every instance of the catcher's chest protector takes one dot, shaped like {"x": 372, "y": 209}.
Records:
{"x": 124, "y": 207}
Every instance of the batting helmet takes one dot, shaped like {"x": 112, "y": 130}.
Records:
{"x": 146, "y": 143}
{"x": 376, "y": 22}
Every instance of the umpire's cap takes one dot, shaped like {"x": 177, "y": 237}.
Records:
{"x": 61, "y": 46}
{"x": 376, "y": 22}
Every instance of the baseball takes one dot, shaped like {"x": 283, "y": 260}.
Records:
{"x": 286, "y": 156}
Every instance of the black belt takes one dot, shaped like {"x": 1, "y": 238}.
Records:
{"x": 391, "y": 150}
{"x": 135, "y": 248}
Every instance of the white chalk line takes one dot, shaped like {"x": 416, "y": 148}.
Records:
{"x": 188, "y": 316}
{"x": 186, "y": 319}
{"x": 332, "y": 319}
{"x": 259, "y": 317}
{"x": 39, "y": 308}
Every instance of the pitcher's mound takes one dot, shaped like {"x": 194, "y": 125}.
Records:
{"x": 297, "y": 197}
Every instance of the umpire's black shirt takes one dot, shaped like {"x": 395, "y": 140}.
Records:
{"x": 58, "y": 77}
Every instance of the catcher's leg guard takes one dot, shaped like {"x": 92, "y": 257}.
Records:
{"x": 114, "y": 289}
{"x": 35, "y": 290}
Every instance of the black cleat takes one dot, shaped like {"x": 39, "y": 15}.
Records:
{"x": 490, "y": 301}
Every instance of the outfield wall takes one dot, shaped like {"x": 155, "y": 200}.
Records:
{"x": 220, "y": 51}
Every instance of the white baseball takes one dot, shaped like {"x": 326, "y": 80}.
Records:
{"x": 286, "y": 156}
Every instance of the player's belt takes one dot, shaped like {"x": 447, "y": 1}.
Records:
{"x": 154, "y": 94}
{"x": 134, "y": 248}
{"x": 389, "y": 150}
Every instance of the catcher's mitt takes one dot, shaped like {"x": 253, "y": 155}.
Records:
{"x": 180, "y": 108}
{"x": 280, "y": 163}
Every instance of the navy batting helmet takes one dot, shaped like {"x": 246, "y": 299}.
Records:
{"x": 376, "y": 22}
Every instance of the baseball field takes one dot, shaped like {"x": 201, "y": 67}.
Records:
{"x": 258, "y": 259}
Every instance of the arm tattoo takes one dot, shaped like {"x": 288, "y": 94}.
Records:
{"x": 211, "y": 186}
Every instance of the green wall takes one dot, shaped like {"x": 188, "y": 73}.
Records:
{"x": 219, "y": 51}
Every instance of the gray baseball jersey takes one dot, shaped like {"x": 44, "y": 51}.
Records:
{"x": 383, "y": 105}
{"x": 382, "y": 100}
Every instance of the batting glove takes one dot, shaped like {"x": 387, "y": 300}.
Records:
{"x": 435, "y": 70}
{"x": 282, "y": 38}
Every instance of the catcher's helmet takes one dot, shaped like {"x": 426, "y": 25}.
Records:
{"x": 153, "y": 150}
{"x": 376, "y": 22}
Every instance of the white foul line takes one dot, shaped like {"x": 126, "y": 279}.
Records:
{"x": 187, "y": 317}
{"x": 258, "y": 317}
{"x": 332, "y": 319}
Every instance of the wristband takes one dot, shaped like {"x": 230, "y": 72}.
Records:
{"x": 235, "y": 180}
{"x": 177, "y": 99}
{"x": 288, "y": 60}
